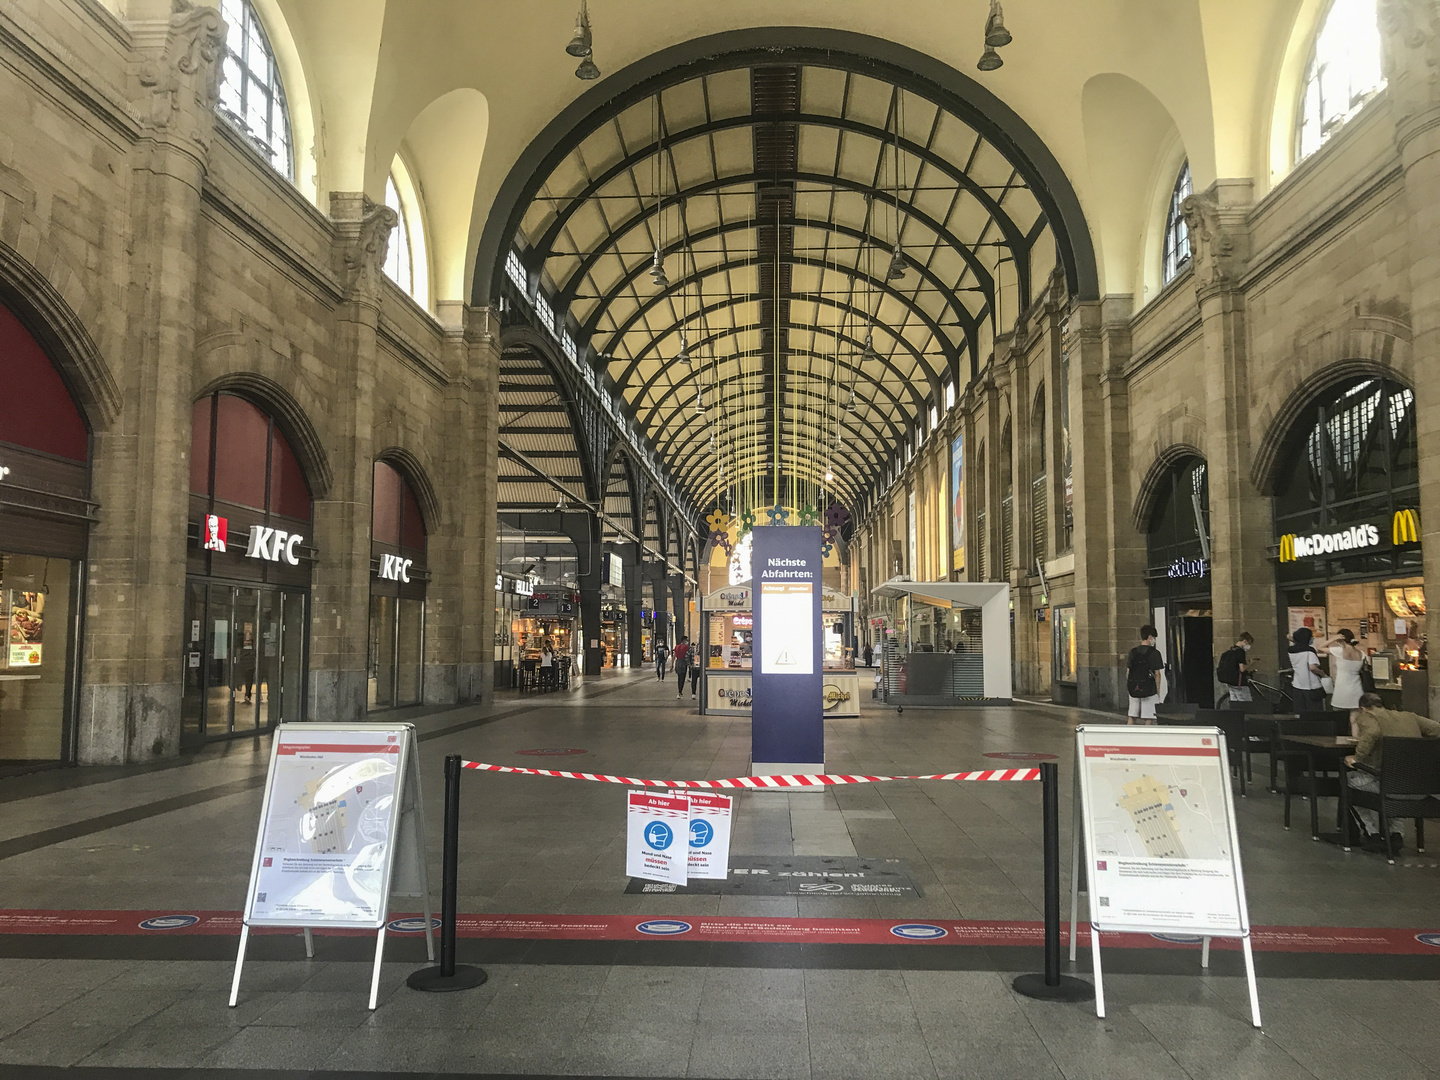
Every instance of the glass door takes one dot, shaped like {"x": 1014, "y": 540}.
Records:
{"x": 244, "y": 634}
{"x": 291, "y": 673}
{"x": 267, "y": 660}
{"x": 219, "y": 661}
{"x": 192, "y": 666}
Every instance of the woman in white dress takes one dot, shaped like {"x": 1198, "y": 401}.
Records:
{"x": 1345, "y": 663}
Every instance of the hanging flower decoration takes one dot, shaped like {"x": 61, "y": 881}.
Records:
{"x": 827, "y": 535}
{"x": 719, "y": 522}
{"x": 747, "y": 522}
{"x": 836, "y": 516}
{"x": 826, "y": 549}
{"x": 778, "y": 515}
{"x": 722, "y": 541}
{"x": 809, "y": 515}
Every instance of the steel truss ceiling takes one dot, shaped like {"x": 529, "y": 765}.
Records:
{"x": 775, "y": 193}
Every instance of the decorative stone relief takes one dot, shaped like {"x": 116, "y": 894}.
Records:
{"x": 1213, "y": 243}
{"x": 189, "y": 69}
{"x": 1410, "y": 44}
{"x": 365, "y": 243}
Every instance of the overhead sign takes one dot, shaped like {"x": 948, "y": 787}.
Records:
{"x": 217, "y": 530}
{"x": 273, "y": 545}
{"x": 733, "y": 598}
{"x": 341, "y": 829}
{"x": 394, "y": 568}
{"x": 1189, "y": 568}
{"x": 709, "y": 835}
{"x": 656, "y": 830}
{"x": 787, "y": 731}
{"x": 523, "y": 587}
{"x": 1158, "y": 820}
{"x": 1355, "y": 538}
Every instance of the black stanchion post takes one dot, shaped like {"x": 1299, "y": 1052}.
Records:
{"x": 447, "y": 976}
{"x": 1052, "y": 986}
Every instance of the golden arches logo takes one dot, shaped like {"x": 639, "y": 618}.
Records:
{"x": 1406, "y": 527}
{"x": 1287, "y": 547}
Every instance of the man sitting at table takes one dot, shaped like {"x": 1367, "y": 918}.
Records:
{"x": 1370, "y": 723}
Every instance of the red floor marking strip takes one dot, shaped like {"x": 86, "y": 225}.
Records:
{"x": 1287, "y": 939}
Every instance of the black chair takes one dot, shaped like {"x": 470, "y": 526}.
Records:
{"x": 1409, "y": 787}
{"x": 1257, "y": 736}
{"x": 1217, "y": 718}
{"x": 1177, "y": 712}
{"x": 529, "y": 675}
{"x": 1301, "y": 777}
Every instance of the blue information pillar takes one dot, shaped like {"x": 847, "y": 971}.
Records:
{"x": 787, "y": 733}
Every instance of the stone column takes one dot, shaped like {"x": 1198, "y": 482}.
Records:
{"x": 1410, "y": 36}
{"x": 1129, "y": 591}
{"x": 463, "y": 559}
{"x": 130, "y": 706}
{"x": 340, "y": 588}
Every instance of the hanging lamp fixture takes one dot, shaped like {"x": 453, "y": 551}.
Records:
{"x": 898, "y": 266}
{"x": 657, "y": 265}
{"x": 996, "y": 37}
{"x": 580, "y": 44}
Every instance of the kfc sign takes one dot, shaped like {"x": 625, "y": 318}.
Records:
{"x": 394, "y": 568}
{"x": 273, "y": 545}
{"x": 217, "y": 529}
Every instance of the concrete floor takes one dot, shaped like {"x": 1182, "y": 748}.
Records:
{"x": 179, "y": 839}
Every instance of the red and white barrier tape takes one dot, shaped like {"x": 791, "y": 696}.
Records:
{"x": 762, "y": 782}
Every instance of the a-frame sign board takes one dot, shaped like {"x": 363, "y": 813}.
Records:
{"x": 342, "y": 828}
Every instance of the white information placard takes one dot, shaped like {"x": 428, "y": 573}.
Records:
{"x": 709, "y": 835}
{"x": 657, "y": 827}
{"x": 341, "y": 829}
{"x": 787, "y": 611}
{"x": 1162, "y": 854}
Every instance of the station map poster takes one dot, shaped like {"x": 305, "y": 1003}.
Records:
{"x": 957, "y": 501}
{"x": 787, "y": 725}
{"x": 1160, "y": 831}
{"x": 330, "y": 825}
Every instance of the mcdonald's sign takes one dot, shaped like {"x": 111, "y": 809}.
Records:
{"x": 1287, "y": 547}
{"x": 1355, "y": 538}
{"x": 1405, "y": 529}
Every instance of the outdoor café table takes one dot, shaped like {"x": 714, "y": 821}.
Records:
{"x": 1323, "y": 753}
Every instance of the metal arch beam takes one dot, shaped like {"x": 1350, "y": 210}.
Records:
{"x": 678, "y": 431}
{"x": 537, "y": 347}
{"x": 813, "y": 468}
{"x": 545, "y": 246}
{"x": 948, "y": 349}
{"x": 969, "y": 322}
{"x": 828, "y": 331}
{"x": 856, "y": 471}
{"x": 587, "y": 263}
{"x": 886, "y": 61}
{"x": 616, "y": 455}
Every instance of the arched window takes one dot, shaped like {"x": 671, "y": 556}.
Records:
{"x": 238, "y": 456}
{"x": 1343, "y": 74}
{"x": 399, "y": 266}
{"x": 251, "y": 96}
{"x": 405, "y": 262}
{"x": 1177, "y": 233}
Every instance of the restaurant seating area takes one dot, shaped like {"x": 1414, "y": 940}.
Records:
{"x": 1305, "y": 754}
{"x": 537, "y": 678}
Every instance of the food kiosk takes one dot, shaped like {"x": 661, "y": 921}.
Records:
{"x": 726, "y": 634}
{"x": 971, "y": 666}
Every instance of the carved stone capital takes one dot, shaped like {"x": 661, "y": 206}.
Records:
{"x": 362, "y": 242}
{"x": 184, "y": 81}
{"x": 1410, "y": 56}
{"x": 1216, "y": 242}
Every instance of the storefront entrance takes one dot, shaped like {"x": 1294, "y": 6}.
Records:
{"x": 245, "y": 660}
{"x": 1178, "y": 574}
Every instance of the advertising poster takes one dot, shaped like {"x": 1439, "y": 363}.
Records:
{"x": 709, "y": 835}
{"x": 727, "y": 693}
{"x": 1159, "y": 830}
{"x": 27, "y": 628}
{"x": 911, "y": 527}
{"x": 787, "y": 610}
{"x": 1313, "y": 617}
{"x": 657, "y": 829}
{"x": 330, "y": 820}
{"x": 957, "y": 501}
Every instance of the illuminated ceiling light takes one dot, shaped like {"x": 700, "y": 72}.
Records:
{"x": 996, "y": 36}
{"x": 580, "y": 43}
{"x": 587, "y": 70}
{"x": 990, "y": 60}
{"x": 829, "y": 477}
{"x": 898, "y": 266}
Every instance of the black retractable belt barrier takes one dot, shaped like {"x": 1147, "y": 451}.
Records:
{"x": 446, "y": 976}
{"x": 1052, "y": 986}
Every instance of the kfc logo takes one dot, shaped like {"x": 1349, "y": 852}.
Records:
{"x": 273, "y": 545}
{"x": 217, "y": 529}
{"x": 394, "y": 568}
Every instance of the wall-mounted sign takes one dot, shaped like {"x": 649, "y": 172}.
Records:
{"x": 615, "y": 568}
{"x": 1189, "y": 568}
{"x": 273, "y": 545}
{"x": 734, "y": 598}
{"x": 217, "y": 529}
{"x": 1405, "y": 527}
{"x": 1355, "y": 538}
{"x": 394, "y": 568}
{"x": 522, "y": 587}
{"x": 27, "y": 628}
{"x": 742, "y": 620}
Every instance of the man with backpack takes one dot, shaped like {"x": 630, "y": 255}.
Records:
{"x": 1145, "y": 677}
{"x": 1232, "y": 668}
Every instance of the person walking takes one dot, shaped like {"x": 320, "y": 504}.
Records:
{"x": 869, "y": 654}
{"x": 1144, "y": 678}
{"x": 1232, "y": 668}
{"x": 694, "y": 671}
{"x": 1305, "y": 678}
{"x": 661, "y": 654}
{"x": 682, "y": 661}
{"x": 1346, "y": 660}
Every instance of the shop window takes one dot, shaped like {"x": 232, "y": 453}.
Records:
{"x": 239, "y": 456}
{"x": 1344, "y": 72}
{"x": 1177, "y": 233}
{"x": 397, "y": 592}
{"x": 251, "y": 95}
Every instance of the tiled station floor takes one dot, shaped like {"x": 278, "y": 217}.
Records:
{"x": 177, "y": 839}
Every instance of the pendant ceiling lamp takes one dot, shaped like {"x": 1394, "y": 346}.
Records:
{"x": 587, "y": 70}
{"x": 684, "y": 356}
{"x": 898, "y": 266}
{"x": 580, "y": 43}
{"x": 996, "y": 37}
